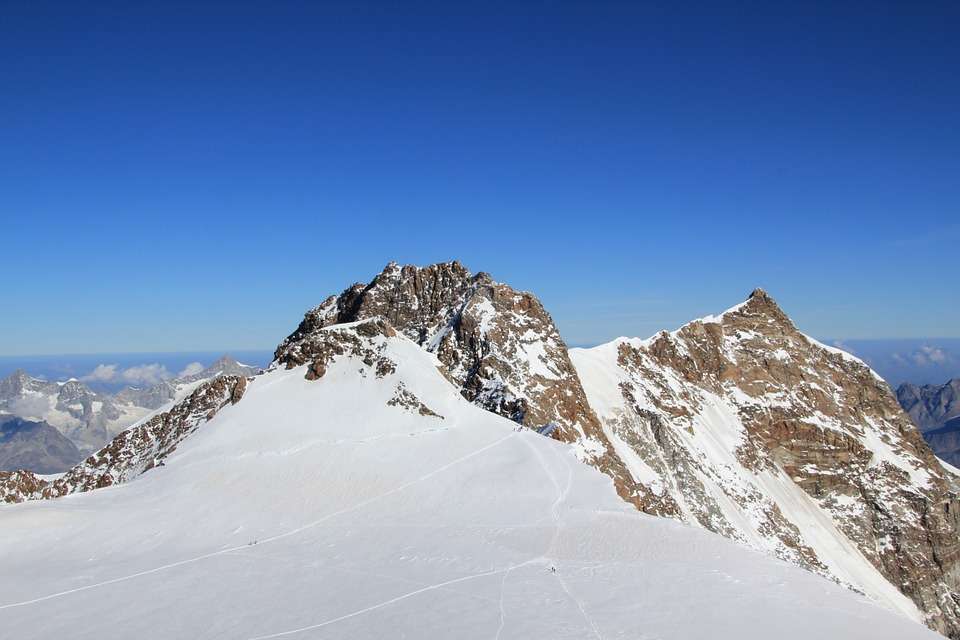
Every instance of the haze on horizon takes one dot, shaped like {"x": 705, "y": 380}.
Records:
{"x": 195, "y": 180}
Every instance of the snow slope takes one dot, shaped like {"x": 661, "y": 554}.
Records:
{"x": 377, "y": 504}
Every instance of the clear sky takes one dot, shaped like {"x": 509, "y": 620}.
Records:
{"x": 193, "y": 176}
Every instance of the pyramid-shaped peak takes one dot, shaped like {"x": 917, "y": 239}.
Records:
{"x": 759, "y": 299}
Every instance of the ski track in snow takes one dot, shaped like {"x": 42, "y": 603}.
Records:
{"x": 562, "y": 493}
{"x": 274, "y": 538}
{"x": 555, "y": 509}
{"x": 503, "y": 614}
{"x": 404, "y": 596}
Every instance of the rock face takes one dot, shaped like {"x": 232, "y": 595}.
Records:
{"x": 742, "y": 425}
{"x": 34, "y": 446}
{"x": 134, "y": 451}
{"x": 499, "y": 346}
{"x": 930, "y": 406}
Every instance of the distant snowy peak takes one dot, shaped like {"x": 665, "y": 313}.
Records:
{"x": 89, "y": 418}
{"x": 225, "y": 365}
{"x": 743, "y": 425}
{"x": 85, "y": 417}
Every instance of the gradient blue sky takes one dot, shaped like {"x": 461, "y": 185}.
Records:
{"x": 193, "y": 176}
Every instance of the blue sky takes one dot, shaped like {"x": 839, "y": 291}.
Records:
{"x": 193, "y": 177}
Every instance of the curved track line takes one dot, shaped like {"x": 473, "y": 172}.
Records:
{"x": 280, "y": 536}
{"x": 555, "y": 509}
{"x": 385, "y": 603}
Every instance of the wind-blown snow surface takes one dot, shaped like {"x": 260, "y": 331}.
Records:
{"x": 317, "y": 510}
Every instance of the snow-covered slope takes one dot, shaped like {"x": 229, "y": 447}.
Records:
{"x": 741, "y": 424}
{"x": 374, "y": 501}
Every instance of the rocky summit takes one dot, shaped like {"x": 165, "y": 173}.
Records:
{"x": 499, "y": 346}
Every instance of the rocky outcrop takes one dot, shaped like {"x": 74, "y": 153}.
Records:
{"x": 743, "y": 425}
{"x": 319, "y": 347}
{"x": 134, "y": 451}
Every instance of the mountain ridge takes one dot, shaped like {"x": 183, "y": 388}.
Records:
{"x": 350, "y": 515}
{"x": 736, "y": 423}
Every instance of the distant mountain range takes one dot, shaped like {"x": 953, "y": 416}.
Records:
{"x": 83, "y": 417}
{"x": 935, "y": 409}
{"x": 37, "y": 446}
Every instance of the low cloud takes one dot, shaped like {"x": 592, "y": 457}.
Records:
{"x": 29, "y": 407}
{"x": 925, "y": 356}
{"x": 935, "y": 355}
{"x": 102, "y": 373}
{"x": 191, "y": 369}
{"x": 146, "y": 374}
{"x": 140, "y": 375}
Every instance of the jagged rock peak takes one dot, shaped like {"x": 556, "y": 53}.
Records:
{"x": 758, "y": 293}
{"x": 497, "y": 344}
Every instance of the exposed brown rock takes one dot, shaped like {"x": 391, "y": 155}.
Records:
{"x": 405, "y": 399}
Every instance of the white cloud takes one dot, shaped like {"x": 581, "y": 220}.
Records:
{"x": 146, "y": 374}
{"x": 30, "y": 407}
{"x": 935, "y": 354}
{"x": 925, "y": 356}
{"x": 140, "y": 375}
{"x": 191, "y": 369}
{"x": 102, "y": 373}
